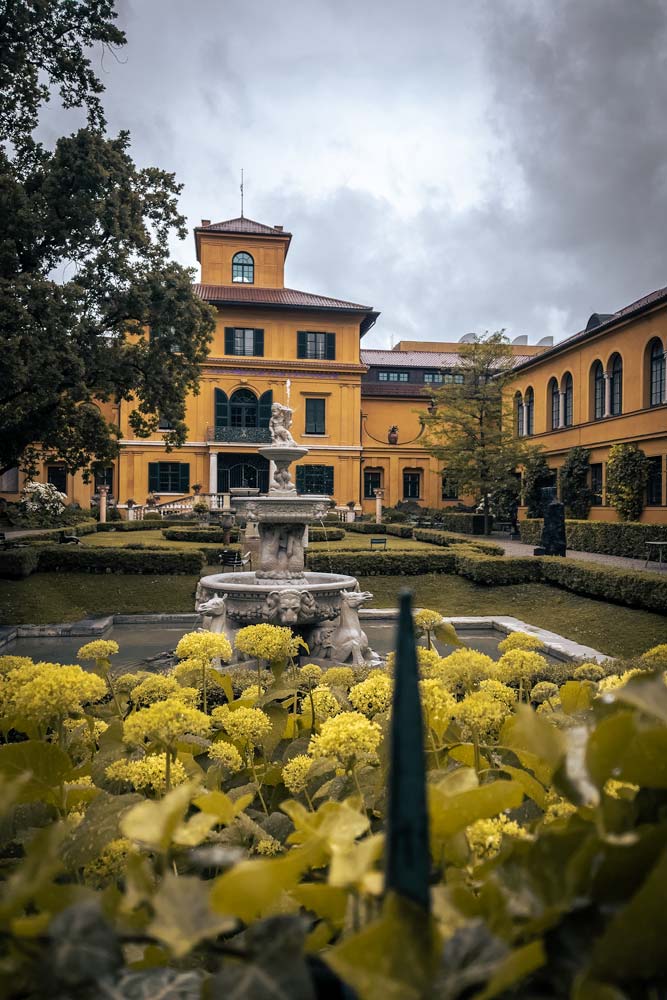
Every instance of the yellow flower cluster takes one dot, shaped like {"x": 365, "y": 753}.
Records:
{"x": 79, "y": 729}
{"x": 158, "y": 687}
{"x": 44, "y": 693}
{"x": 110, "y": 864}
{"x": 620, "y": 789}
{"x": 165, "y": 722}
{"x": 205, "y": 646}
{"x": 372, "y": 695}
{"x": 10, "y": 663}
{"x": 437, "y": 702}
{"x": 274, "y": 643}
{"x": 557, "y": 808}
{"x": 485, "y": 836}
{"x": 501, "y": 692}
{"x": 614, "y": 681}
{"x": 338, "y": 677}
{"x": 243, "y": 679}
{"x": 520, "y": 666}
{"x": 463, "y": 670}
{"x": 655, "y": 658}
{"x": 544, "y": 691}
{"x": 429, "y": 662}
{"x": 125, "y": 683}
{"x": 98, "y": 649}
{"x": 426, "y": 620}
{"x": 588, "y": 672}
{"x": 147, "y": 774}
{"x": 226, "y": 755}
{"x": 310, "y": 675}
{"x": 247, "y": 726}
{"x": 349, "y": 738}
{"x": 520, "y": 640}
{"x": 482, "y": 716}
{"x": 268, "y": 847}
{"x": 295, "y": 773}
{"x": 325, "y": 702}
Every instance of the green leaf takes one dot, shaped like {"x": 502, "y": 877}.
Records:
{"x": 194, "y": 831}
{"x": 446, "y": 633}
{"x": 182, "y": 915}
{"x": 451, "y": 813}
{"x": 253, "y": 888}
{"x": 327, "y": 901}
{"x": 278, "y": 717}
{"x": 84, "y": 947}
{"x": 518, "y": 964}
{"x": 47, "y": 765}
{"x": 223, "y": 681}
{"x": 276, "y": 969}
{"x": 221, "y": 806}
{"x": 526, "y": 730}
{"x": 351, "y": 865}
{"x": 41, "y": 864}
{"x": 531, "y": 786}
{"x": 622, "y": 747}
{"x": 153, "y": 823}
{"x": 646, "y": 692}
{"x": 99, "y": 826}
{"x": 576, "y": 696}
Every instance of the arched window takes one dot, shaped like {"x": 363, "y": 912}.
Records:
{"x": 243, "y": 268}
{"x": 529, "y": 410}
{"x": 568, "y": 407}
{"x": 554, "y": 403}
{"x": 243, "y": 409}
{"x": 518, "y": 414}
{"x": 657, "y": 382}
{"x": 616, "y": 375}
{"x": 598, "y": 391}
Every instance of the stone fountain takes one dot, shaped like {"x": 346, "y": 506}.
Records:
{"x": 321, "y": 607}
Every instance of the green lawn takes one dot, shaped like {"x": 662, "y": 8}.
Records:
{"x": 59, "y": 597}
{"x": 154, "y": 539}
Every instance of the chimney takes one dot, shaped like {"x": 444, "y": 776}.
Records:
{"x": 205, "y": 223}
{"x": 279, "y": 228}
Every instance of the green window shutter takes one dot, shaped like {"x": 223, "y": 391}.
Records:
{"x": 184, "y": 477}
{"x": 331, "y": 346}
{"x": 265, "y": 404}
{"x": 221, "y": 409}
{"x": 258, "y": 345}
{"x": 301, "y": 344}
{"x": 229, "y": 340}
{"x": 153, "y": 477}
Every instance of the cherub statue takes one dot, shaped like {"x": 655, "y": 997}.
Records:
{"x": 280, "y": 423}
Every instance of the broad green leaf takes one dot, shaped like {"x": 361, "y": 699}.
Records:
{"x": 392, "y": 958}
{"x": 194, "y": 831}
{"x": 576, "y": 696}
{"x": 182, "y": 915}
{"x": 648, "y": 692}
{"x": 223, "y": 681}
{"x": 221, "y": 806}
{"x": 333, "y": 827}
{"x": 153, "y": 823}
{"x": 526, "y": 730}
{"x": 451, "y": 813}
{"x": 99, "y": 826}
{"x": 622, "y": 747}
{"x": 47, "y": 765}
{"x": 446, "y": 633}
{"x": 327, "y": 901}
{"x": 41, "y": 864}
{"x": 531, "y": 786}
{"x": 278, "y": 718}
{"x": 253, "y": 889}
{"x": 464, "y": 753}
{"x": 518, "y": 964}
{"x": 351, "y": 864}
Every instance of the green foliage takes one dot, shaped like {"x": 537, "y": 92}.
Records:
{"x": 400, "y": 530}
{"x": 146, "y": 525}
{"x": 575, "y": 491}
{"x": 493, "y": 571}
{"x": 627, "y": 475}
{"x": 536, "y": 477}
{"x": 331, "y": 534}
{"x": 637, "y": 589}
{"x": 15, "y": 564}
{"x": 88, "y": 559}
{"x": 84, "y": 210}
{"x": 366, "y": 528}
{"x": 199, "y": 535}
{"x": 467, "y": 524}
{"x": 617, "y": 538}
{"x": 400, "y": 563}
{"x": 445, "y": 538}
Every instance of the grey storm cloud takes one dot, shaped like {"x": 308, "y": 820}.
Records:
{"x": 500, "y": 163}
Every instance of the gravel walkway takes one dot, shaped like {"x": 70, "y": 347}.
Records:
{"x": 513, "y": 548}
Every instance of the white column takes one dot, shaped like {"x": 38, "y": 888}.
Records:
{"x": 607, "y": 394}
{"x": 379, "y": 494}
{"x": 103, "y": 490}
{"x": 213, "y": 472}
{"x": 561, "y": 409}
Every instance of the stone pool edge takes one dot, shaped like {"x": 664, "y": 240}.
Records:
{"x": 557, "y": 645}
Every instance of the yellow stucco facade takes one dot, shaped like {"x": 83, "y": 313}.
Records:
{"x": 603, "y": 386}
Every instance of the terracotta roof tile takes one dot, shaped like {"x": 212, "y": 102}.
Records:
{"x": 246, "y": 226}
{"x": 414, "y": 390}
{"x": 284, "y": 297}
{"x": 418, "y": 359}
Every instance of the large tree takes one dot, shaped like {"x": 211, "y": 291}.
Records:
{"x": 92, "y": 309}
{"x": 471, "y": 428}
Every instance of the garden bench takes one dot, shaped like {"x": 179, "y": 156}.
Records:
{"x": 504, "y": 526}
{"x": 378, "y": 543}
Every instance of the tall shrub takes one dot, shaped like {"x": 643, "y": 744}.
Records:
{"x": 575, "y": 491}
{"x": 537, "y": 476}
{"x": 627, "y": 475}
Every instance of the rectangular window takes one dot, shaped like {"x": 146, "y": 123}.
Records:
{"x": 164, "y": 424}
{"x": 451, "y": 379}
{"x": 393, "y": 376}
{"x": 411, "y": 485}
{"x": 57, "y": 476}
{"x": 104, "y": 477}
{"x": 316, "y": 346}
{"x": 433, "y": 378}
{"x": 244, "y": 342}
{"x": 315, "y": 479}
{"x": 315, "y": 411}
{"x": 654, "y": 483}
{"x": 372, "y": 482}
{"x": 450, "y": 489}
{"x": 596, "y": 483}
{"x": 9, "y": 481}
{"x": 169, "y": 477}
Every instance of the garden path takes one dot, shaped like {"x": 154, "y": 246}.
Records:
{"x": 513, "y": 548}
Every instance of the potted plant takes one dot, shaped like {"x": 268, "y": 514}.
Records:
{"x": 197, "y": 489}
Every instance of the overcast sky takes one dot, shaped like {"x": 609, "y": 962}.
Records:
{"x": 460, "y": 166}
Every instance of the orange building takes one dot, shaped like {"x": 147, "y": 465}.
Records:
{"x": 605, "y": 385}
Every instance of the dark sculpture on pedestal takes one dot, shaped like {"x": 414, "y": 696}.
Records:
{"x": 553, "y": 532}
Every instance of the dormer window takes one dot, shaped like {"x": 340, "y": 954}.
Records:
{"x": 243, "y": 268}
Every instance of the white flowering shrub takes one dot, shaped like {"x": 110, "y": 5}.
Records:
{"x": 42, "y": 498}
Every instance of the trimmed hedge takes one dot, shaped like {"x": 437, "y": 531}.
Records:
{"x": 151, "y": 525}
{"x": 616, "y": 538}
{"x": 619, "y": 586}
{"x": 80, "y": 559}
{"x": 468, "y": 524}
{"x": 16, "y": 564}
{"x": 199, "y": 535}
{"x": 402, "y": 530}
{"x": 492, "y": 571}
{"x": 49, "y": 534}
{"x": 366, "y": 528}
{"x": 446, "y": 538}
{"x": 361, "y": 563}
{"x": 331, "y": 534}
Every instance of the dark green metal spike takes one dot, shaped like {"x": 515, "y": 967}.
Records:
{"x": 408, "y": 857}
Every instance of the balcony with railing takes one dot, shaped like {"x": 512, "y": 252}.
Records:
{"x": 239, "y": 435}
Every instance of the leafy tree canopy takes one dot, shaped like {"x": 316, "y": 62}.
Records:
{"x": 575, "y": 492}
{"x": 627, "y": 476}
{"x": 92, "y": 310}
{"x": 471, "y": 430}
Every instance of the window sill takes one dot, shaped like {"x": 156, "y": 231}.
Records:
{"x": 313, "y": 434}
